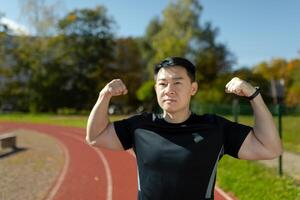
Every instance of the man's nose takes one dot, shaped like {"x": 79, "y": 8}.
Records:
{"x": 170, "y": 89}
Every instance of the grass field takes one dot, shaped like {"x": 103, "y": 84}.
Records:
{"x": 290, "y": 131}
{"x": 250, "y": 180}
{"x": 247, "y": 180}
{"x": 77, "y": 121}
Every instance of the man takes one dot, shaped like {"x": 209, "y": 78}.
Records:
{"x": 178, "y": 151}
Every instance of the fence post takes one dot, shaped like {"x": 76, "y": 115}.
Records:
{"x": 235, "y": 110}
{"x": 279, "y": 112}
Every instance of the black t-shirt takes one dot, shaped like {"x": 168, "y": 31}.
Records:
{"x": 179, "y": 161}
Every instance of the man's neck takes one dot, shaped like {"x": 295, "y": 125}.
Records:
{"x": 177, "y": 117}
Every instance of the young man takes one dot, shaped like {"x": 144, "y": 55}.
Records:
{"x": 178, "y": 151}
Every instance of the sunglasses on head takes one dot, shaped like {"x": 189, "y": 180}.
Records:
{"x": 166, "y": 63}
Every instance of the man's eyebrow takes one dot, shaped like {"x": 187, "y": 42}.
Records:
{"x": 177, "y": 78}
{"x": 174, "y": 78}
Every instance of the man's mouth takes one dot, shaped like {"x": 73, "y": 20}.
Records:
{"x": 169, "y": 100}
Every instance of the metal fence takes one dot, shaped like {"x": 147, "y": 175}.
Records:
{"x": 237, "y": 108}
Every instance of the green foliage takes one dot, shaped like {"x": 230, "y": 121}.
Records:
{"x": 146, "y": 91}
{"x": 293, "y": 90}
{"x": 211, "y": 95}
{"x": 251, "y": 181}
{"x": 66, "y": 111}
{"x": 146, "y": 94}
{"x": 69, "y": 69}
{"x": 211, "y": 58}
{"x": 64, "y": 70}
{"x": 129, "y": 67}
{"x": 87, "y": 22}
{"x": 256, "y": 80}
{"x": 176, "y": 33}
{"x": 145, "y": 44}
{"x": 274, "y": 69}
{"x": 185, "y": 36}
{"x": 281, "y": 69}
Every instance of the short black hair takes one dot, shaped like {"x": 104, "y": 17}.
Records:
{"x": 177, "y": 61}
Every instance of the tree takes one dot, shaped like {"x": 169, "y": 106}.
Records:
{"x": 127, "y": 65}
{"x": 180, "y": 33}
{"x": 211, "y": 58}
{"x": 293, "y": 90}
{"x": 6, "y": 61}
{"x": 88, "y": 40}
{"x": 186, "y": 36}
{"x": 145, "y": 45}
{"x": 65, "y": 70}
{"x": 275, "y": 69}
{"x": 40, "y": 16}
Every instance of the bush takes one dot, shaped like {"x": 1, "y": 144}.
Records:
{"x": 66, "y": 111}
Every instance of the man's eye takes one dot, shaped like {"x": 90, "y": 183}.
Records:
{"x": 177, "y": 82}
{"x": 162, "y": 84}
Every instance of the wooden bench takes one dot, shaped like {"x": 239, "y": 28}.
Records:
{"x": 8, "y": 140}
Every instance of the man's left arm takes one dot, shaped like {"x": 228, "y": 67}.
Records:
{"x": 263, "y": 141}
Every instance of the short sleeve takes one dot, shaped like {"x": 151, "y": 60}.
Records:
{"x": 234, "y": 135}
{"x": 124, "y": 130}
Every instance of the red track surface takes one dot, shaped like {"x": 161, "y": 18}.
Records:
{"x": 90, "y": 174}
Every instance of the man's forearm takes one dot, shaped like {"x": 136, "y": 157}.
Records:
{"x": 98, "y": 118}
{"x": 264, "y": 126}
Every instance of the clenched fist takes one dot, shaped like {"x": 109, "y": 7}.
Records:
{"x": 115, "y": 88}
{"x": 239, "y": 87}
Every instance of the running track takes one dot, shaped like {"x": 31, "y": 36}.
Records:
{"x": 90, "y": 173}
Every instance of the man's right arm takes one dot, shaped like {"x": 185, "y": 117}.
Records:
{"x": 100, "y": 132}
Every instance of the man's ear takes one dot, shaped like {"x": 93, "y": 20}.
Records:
{"x": 194, "y": 88}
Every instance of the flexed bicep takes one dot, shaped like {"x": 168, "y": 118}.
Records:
{"x": 253, "y": 149}
{"x": 107, "y": 139}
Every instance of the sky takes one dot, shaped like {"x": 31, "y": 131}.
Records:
{"x": 254, "y": 31}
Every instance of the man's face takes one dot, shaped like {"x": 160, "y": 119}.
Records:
{"x": 174, "y": 89}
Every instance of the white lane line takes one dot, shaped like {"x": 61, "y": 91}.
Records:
{"x": 222, "y": 193}
{"x": 108, "y": 174}
{"x": 109, "y": 193}
{"x": 130, "y": 151}
{"x": 62, "y": 174}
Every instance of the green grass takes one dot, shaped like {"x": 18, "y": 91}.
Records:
{"x": 249, "y": 180}
{"x": 291, "y": 133}
{"x": 77, "y": 121}
{"x": 290, "y": 130}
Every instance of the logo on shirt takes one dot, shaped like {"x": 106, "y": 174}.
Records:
{"x": 197, "y": 137}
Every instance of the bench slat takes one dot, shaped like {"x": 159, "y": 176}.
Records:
{"x": 8, "y": 140}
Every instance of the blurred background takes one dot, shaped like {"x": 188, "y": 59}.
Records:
{"x": 55, "y": 56}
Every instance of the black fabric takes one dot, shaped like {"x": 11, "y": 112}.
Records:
{"x": 176, "y": 161}
{"x": 234, "y": 135}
